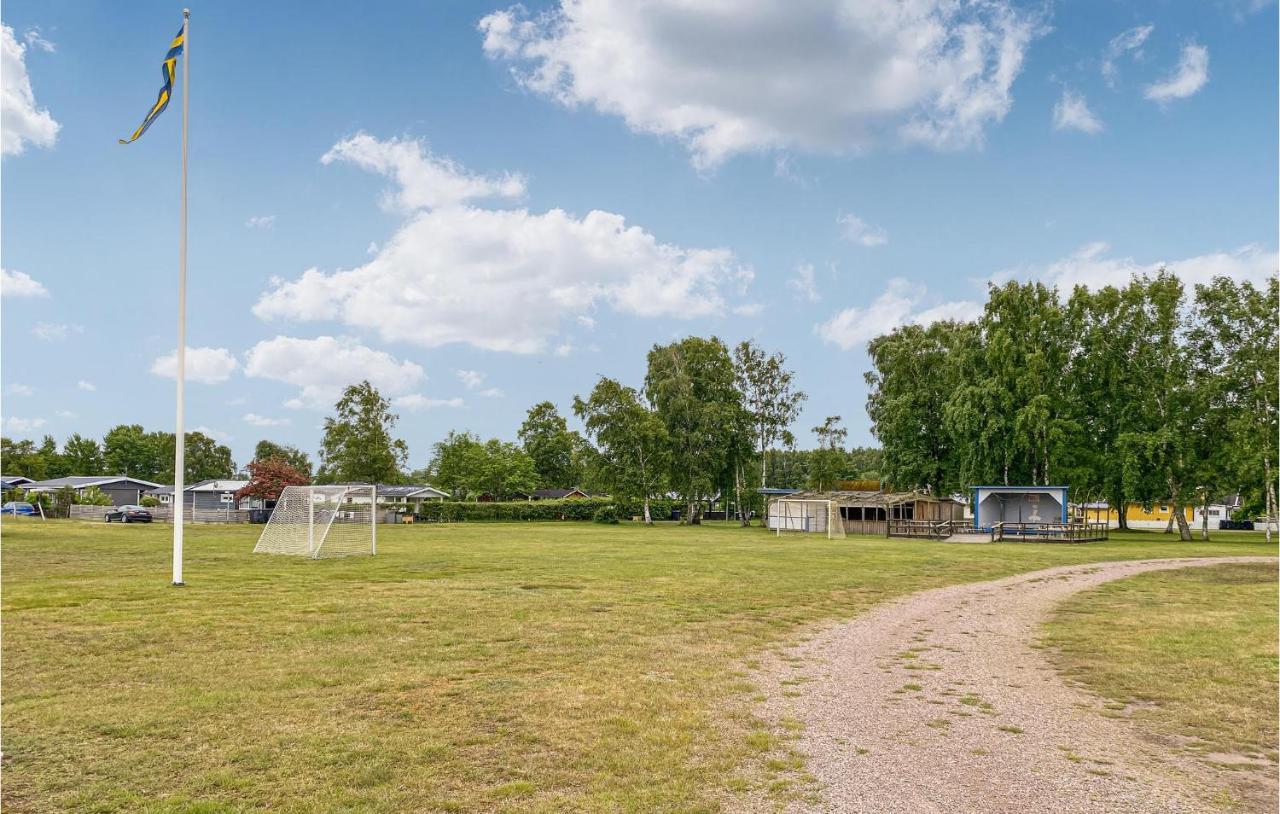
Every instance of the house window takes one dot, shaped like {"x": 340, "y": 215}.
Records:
{"x": 1164, "y": 508}
{"x": 1214, "y": 512}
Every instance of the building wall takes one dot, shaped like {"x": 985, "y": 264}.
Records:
{"x": 1033, "y": 507}
{"x": 124, "y": 493}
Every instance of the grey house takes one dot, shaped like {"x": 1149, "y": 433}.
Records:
{"x": 122, "y": 489}
{"x": 209, "y": 494}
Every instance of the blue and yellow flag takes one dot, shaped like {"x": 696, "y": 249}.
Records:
{"x": 169, "y": 69}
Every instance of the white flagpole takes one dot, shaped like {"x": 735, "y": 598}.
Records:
{"x": 180, "y": 436}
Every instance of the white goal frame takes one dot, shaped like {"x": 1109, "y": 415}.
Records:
{"x": 790, "y": 514}
{"x": 322, "y": 521}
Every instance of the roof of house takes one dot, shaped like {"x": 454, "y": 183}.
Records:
{"x": 217, "y": 485}
{"x": 863, "y": 497}
{"x": 556, "y": 494}
{"x": 85, "y": 481}
{"x": 14, "y": 480}
{"x": 411, "y": 490}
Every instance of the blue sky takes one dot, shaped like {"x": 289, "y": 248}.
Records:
{"x": 499, "y": 204}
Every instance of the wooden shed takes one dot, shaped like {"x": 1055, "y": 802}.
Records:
{"x": 860, "y": 512}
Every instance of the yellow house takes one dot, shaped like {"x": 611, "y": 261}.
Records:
{"x": 1134, "y": 513}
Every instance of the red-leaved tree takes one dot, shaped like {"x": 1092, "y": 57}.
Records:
{"x": 267, "y": 479}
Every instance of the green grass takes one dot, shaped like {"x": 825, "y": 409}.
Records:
{"x": 1189, "y": 653}
{"x": 481, "y": 667}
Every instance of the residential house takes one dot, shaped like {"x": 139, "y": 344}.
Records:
{"x": 122, "y": 489}
{"x": 209, "y": 494}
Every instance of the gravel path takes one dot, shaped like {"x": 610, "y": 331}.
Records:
{"x": 938, "y": 703}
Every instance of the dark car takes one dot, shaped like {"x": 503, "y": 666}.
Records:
{"x": 18, "y": 507}
{"x": 129, "y": 514}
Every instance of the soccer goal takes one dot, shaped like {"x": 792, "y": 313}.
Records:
{"x": 322, "y": 521}
{"x": 807, "y": 515}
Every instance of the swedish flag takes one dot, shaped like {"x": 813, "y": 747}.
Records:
{"x": 169, "y": 69}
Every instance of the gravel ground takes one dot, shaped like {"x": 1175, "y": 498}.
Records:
{"x": 939, "y": 703}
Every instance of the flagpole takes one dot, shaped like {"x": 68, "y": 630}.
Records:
{"x": 180, "y": 436}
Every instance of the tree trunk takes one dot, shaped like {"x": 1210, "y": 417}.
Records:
{"x": 648, "y": 520}
{"x": 1204, "y": 516}
{"x": 1176, "y": 505}
{"x": 1168, "y": 527}
{"x": 1271, "y": 496}
{"x": 764, "y": 467}
{"x": 737, "y": 483}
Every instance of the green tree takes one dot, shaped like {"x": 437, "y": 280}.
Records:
{"x": 1161, "y": 455}
{"x": 358, "y": 443}
{"x": 22, "y": 458}
{"x": 507, "y": 470}
{"x": 83, "y": 456}
{"x": 456, "y": 462}
{"x": 631, "y": 441}
{"x": 691, "y": 385}
{"x": 294, "y": 457}
{"x": 54, "y": 464}
{"x": 547, "y": 440}
{"x": 1233, "y": 340}
{"x": 915, "y": 371}
{"x": 770, "y": 396}
{"x": 128, "y": 449}
{"x": 828, "y": 461}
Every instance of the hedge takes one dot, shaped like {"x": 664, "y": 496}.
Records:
{"x": 572, "y": 509}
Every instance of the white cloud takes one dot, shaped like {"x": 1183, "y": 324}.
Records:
{"x": 36, "y": 40}
{"x": 23, "y": 426}
{"x": 733, "y": 77}
{"x": 802, "y": 283}
{"x": 898, "y": 305}
{"x": 20, "y": 284}
{"x": 417, "y": 401}
{"x": 564, "y": 348}
{"x": 492, "y": 393}
{"x": 323, "y": 366}
{"x": 55, "y": 331}
{"x": 24, "y": 123}
{"x": 587, "y": 322}
{"x": 426, "y": 181}
{"x": 1190, "y": 76}
{"x": 264, "y": 421}
{"x": 471, "y": 379}
{"x": 1091, "y": 266}
{"x": 1126, "y": 42}
{"x": 67, "y": 414}
{"x": 17, "y": 389}
{"x": 261, "y": 222}
{"x": 855, "y": 230}
{"x": 217, "y": 435}
{"x": 86, "y": 386}
{"x": 1073, "y": 113}
{"x": 499, "y": 279}
{"x": 204, "y": 365}
{"x": 748, "y": 309}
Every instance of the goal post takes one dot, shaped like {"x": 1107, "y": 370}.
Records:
{"x": 322, "y": 521}
{"x": 807, "y": 515}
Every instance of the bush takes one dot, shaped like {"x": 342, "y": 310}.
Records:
{"x": 93, "y": 496}
{"x": 607, "y": 515}
{"x": 150, "y": 501}
{"x": 572, "y": 509}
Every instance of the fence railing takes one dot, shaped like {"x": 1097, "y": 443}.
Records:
{"x": 922, "y": 529}
{"x": 1077, "y": 532}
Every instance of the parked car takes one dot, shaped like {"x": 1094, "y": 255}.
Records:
{"x": 18, "y": 508}
{"x": 129, "y": 514}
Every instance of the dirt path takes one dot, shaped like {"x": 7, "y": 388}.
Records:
{"x": 938, "y": 703}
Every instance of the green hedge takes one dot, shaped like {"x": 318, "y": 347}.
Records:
{"x": 573, "y": 509}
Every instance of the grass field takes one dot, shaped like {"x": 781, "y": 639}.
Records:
{"x": 1190, "y": 654}
{"x": 530, "y": 667}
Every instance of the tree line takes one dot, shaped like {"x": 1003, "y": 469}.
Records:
{"x": 1138, "y": 393}
{"x": 127, "y": 449}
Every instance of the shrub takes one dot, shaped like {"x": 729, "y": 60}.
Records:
{"x": 608, "y": 515}
{"x": 526, "y": 510}
{"x": 93, "y": 496}
{"x": 150, "y": 501}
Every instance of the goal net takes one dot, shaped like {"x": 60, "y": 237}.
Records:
{"x": 321, "y": 521}
{"x": 809, "y": 516}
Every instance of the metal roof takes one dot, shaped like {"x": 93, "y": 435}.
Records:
{"x": 85, "y": 481}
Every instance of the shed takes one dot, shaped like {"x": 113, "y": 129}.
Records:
{"x": 122, "y": 489}
{"x": 860, "y": 512}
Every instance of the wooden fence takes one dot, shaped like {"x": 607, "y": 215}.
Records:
{"x": 163, "y": 514}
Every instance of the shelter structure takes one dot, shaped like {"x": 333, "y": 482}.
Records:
{"x": 838, "y": 513}
{"x": 1037, "y": 513}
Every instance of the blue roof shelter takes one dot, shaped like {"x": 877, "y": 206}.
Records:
{"x": 1026, "y": 505}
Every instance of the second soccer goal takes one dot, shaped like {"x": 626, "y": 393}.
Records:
{"x": 322, "y": 521}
